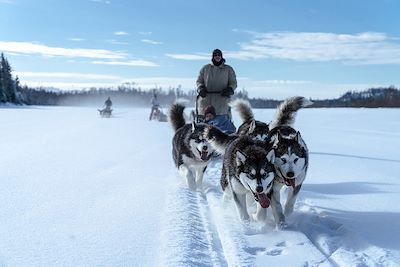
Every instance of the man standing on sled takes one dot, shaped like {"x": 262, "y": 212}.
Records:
{"x": 215, "y": 86}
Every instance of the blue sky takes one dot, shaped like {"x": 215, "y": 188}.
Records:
{"x": 278, "y": 48}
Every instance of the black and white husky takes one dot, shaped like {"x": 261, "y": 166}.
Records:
{"x": 247, "y": 172}
{"x": 250, "y": 126}
{"x": 190, "y": 151}
{"x": 291, "y": 156}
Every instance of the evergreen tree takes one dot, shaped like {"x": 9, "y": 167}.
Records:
{"x": 7, "y": 82}
{"x": 2, "y": 94}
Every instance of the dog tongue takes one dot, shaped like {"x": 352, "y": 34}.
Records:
{"x": 290, "y": 182}
{"x": 204, "y": 155}
{"x": 263, "y": 200}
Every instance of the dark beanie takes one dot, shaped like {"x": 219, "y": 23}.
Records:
{"x": 217, "y": 52}
{"x": 210, "y": 109}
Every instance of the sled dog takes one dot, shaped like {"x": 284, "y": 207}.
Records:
{"x": 247, "y": 172}
{"x": 105, "y": 113}
{"x": 190, "y": 150}
{"x": 256, "y": 129}
{"x": 291, "y": 157}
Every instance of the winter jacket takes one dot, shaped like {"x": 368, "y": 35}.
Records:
{"x": 215, "y": 79}
{"x": 154, "y": 102}
{"x": 108, "y": 103}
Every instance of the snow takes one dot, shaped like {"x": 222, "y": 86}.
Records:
{"x": 80, "y": 190}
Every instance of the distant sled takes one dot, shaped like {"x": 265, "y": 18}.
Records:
{"x": 105, "y": 112}
{"x": 158, "y": 115}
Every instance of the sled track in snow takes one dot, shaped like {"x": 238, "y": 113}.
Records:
{"x": 206, "y": 232}
{"x": 189, "y": 237}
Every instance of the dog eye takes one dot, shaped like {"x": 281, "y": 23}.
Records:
{"x": 295, "y": 160}
{"x": 283, "y": 160}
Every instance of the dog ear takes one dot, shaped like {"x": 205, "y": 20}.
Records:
{"x": 252, "y": 126}
{"x": 271, "y": 155}
{"x": 279, "y": 136}
{"x": 240, "y": 157}
{"x": 193, "y": 126}
{"x": 300, "y": 140}
{"x": 273, "y": 141}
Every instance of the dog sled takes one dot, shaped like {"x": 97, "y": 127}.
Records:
{"x": 222, "y": 121}
{"x": 105, "y": 112}
{"x": 158, "y": 115}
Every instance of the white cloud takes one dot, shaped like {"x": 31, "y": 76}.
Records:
{"x": 145, "y": 33}
{"x": 142, "y": 63}
{"x": 189, "y": 56}
{"x": 150, "y": 41}
{"x": 121, "y": 33}
{"x": 68, "y": 85}
{"x": 102, "y": 1}
{"x": 76, "y": 39}
{"x": 31, "y": 48}
{"x": 112, "y": 41}
{"x": 358, "y": 49}
{"x": 72, "y": 75}
{"x": 361, "y": 48}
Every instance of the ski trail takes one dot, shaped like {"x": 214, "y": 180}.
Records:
{"x": 252, "y": 243}
{"x": 189, "y": 237}
{"x": 235, "y": 247}
{"x": 205, "y": 231}
{"x": 339, "y": 245}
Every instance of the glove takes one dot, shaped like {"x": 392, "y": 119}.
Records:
{"x": 202, "y": 91}
{"x": 227, "y": 92}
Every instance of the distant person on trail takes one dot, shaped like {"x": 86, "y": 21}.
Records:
{"x": 154, "y": 106}
{"x": 216, "y": 84}
{"x": 108, "y": 104}
{"x": 210, "y": 117}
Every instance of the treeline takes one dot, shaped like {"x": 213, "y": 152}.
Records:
{"x": 371, "y": 98}
{"x": 127, "y": 94}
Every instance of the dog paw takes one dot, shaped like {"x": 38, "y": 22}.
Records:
{"x": 282, "y": 225}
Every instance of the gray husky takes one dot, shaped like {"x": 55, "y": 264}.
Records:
{"x": 291, "y": 156}
{"x": 190, "y": 151}
{"x": 256, "y": 129}
{"x": 247, "y": 172}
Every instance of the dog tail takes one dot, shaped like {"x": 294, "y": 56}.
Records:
{"x": 217, "y": 138}
{"x": 286, "y": 111}
{"x": 176, "y": 116}
{"x": 243, "y": 108}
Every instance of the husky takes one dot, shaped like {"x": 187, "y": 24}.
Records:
{"x": 247, "y": 171}
{"x": 190, "y": 150}
{"x": 256, "y": 129}
{"x": 291, "y": 157}
{"x": 105, "y": 113}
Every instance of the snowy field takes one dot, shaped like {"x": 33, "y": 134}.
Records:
{"x": 79, "y": 190}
